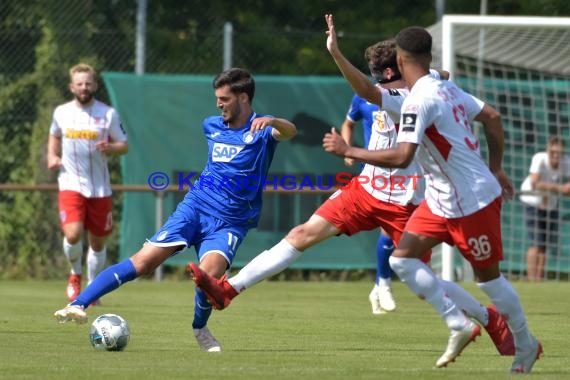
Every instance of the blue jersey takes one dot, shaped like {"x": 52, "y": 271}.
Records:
{"x": 231, "y": 185}
{"x": 360, "y": 109}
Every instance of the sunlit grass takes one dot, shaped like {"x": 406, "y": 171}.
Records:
{"x": 276, "y": 330}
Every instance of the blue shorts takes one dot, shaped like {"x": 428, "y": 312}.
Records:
{"x": 189, "y": 226}
{"x": 542, "y": 227}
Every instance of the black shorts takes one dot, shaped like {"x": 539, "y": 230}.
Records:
{"x": 542, "y": 227}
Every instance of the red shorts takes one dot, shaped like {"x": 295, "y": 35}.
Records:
{"x": 355, "y": 210}
{"x": 477, "y": 236}
{"x": 95, "y": 213}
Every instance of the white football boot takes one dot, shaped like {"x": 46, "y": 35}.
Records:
{"x": 386, "y": 298}
{"x": 458, "y": 340}
{"x": 206, "y": 340}
{"x": 71, "y": 314}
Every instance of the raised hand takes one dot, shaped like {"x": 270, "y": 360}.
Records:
{"x": 332, "y": 44}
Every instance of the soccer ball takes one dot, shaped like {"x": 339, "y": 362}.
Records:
{"x": 109, "y": 332}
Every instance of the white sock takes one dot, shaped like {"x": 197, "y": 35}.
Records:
{"x": 421, "y": 280}
{"x": 74, "y": 254}
{"x": 505, "y": 297}
{"x": 95, "y": 263}
{"x": 466, "y": 302}
{"x": 264, "y": 265}
{"x": 386, "y": 282}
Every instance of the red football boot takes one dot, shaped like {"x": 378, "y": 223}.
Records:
{"x": 218, "y": 291}
{"x": 499, "y": 332}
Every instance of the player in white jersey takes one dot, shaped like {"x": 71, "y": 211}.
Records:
{"x": 361, "y": 110}
{"x": 378, "y": 197}
{"x": 463, "y": 197}
{"x": 83, "y": 133}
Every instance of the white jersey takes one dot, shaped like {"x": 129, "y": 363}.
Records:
{"x": 540, "y": 165}
{"x": 399, "y": 186}
{"x": 436, "y": 115}
{"x": 84, "y": 169}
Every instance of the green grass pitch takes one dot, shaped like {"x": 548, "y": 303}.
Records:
{"x": 275, "y": 330}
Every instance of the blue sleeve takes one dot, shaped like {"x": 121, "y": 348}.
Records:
{"x": 269, "y": 136}
{"x": 205, "y": 126}
{"x": 268, "y": 132}
{"x": 354, "y": 112}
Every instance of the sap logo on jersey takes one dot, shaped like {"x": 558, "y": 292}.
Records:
{"x": 225, "y": 152}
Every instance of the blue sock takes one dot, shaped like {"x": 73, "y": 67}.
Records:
{"x": 202, "y": 310}
{"x": 384, "y": 249}
{"x": 106, "y": 281}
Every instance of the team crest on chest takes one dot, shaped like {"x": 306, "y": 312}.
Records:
{"x": 247, "y": 137}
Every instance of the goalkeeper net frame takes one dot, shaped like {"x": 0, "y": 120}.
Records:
{"x": 520, "y": 66}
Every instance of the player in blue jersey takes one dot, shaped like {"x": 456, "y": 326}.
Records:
{"x": 380, "y": 297}
{"x": 362, "y": 110}
{"x": 220, "y": 208}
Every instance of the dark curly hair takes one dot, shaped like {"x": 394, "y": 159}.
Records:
{"x": 380, "y": 56}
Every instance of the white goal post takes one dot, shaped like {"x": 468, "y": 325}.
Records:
{"x": 553, "y": 56}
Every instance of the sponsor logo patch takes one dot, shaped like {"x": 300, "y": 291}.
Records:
{"x": 379, "y": 121}
{"x": 225, "y": 152}
{"x": 409, "y": 122}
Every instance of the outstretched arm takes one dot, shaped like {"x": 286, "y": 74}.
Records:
{"x": 357, "y": 79}
{"x": 282, "y": 129}
{"x": 399, "y": 157}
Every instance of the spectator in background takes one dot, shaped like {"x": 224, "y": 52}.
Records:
{"x": 83, "y": 133}
{"x": 549, "y": 174}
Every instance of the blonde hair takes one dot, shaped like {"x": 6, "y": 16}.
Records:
{"x": 82, "y": 68}
{"x": 555, "y": 140}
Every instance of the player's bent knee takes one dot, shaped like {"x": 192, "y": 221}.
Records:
{"x": 300, "y": 237}
{"x": 73, "y": 238}
{"x": 398, "y": 264}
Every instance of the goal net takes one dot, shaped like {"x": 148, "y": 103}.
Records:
{"x": 520, "y": 66}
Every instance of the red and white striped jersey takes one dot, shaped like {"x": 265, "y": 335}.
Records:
{"x": 84, "y": 169}
{"x": 436, "y": 115}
